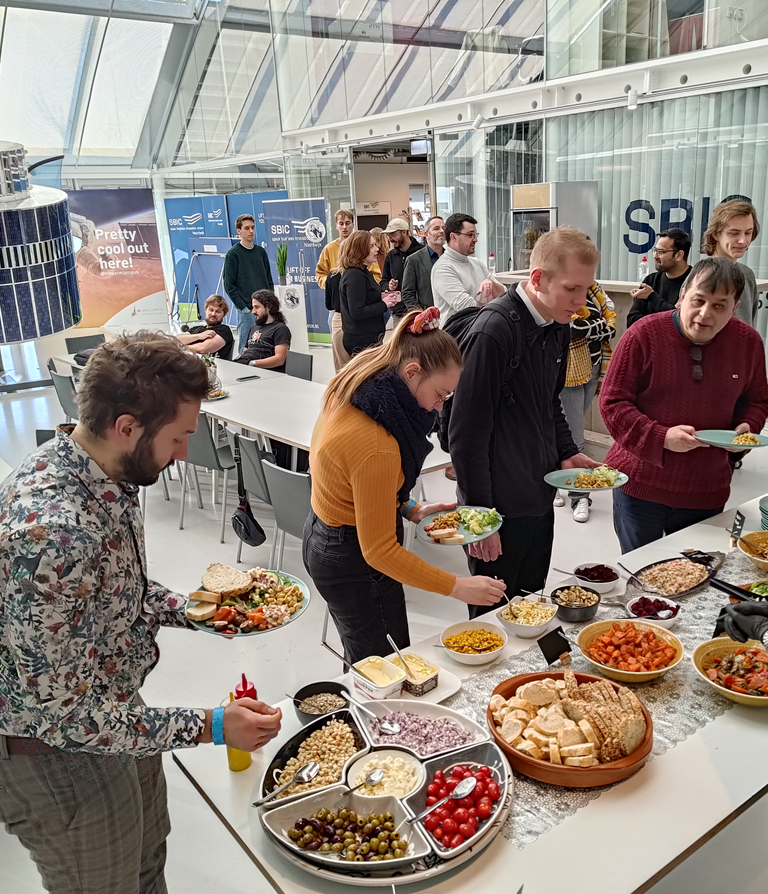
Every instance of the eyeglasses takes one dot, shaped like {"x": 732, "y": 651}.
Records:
{"x": 473, "y": 235}
{"x": 698, "y": 372}
{"x": 657, "y": 252}
{"x": 441, "y": 398}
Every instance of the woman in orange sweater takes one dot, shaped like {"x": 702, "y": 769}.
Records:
{"x": 367, "y": 451}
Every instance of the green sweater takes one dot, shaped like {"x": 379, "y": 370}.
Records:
{"x": 245, "y": 271}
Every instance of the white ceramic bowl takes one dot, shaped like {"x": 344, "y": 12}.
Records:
{"x": 382, "y": 754}
{"x": 667, "y": 623}
{"x": 481, "y": 657}
{"x": 525, "y": 631}
{"x": 594, "y": 585}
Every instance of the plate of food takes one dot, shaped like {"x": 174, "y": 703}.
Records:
{"x": 630, "y": 651}
{"x": 600, "y": 478}
{"x": 572, "y": 730}
{"x": 218, "y": 394}
{"x": 719, "y": 437}
{"x": 461, "y": 526}
{"x": 756, "y": 592}
{"x": 244, "y": 603}
{"x": 739, "y": 671}
{"x": 673, "y": 577}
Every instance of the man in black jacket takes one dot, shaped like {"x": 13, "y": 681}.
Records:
{"x": 507, "y": 428}
{"x": 403, "y": 246}
{"x": 661, "y": 290}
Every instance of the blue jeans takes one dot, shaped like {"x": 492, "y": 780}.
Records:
{"x": 638, "y": 522}
{"x": 244, "y": 326}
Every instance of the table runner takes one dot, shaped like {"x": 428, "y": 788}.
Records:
{"x": 537, "y": 807}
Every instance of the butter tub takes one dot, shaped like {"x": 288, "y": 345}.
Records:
{"x": 423, "y": 684}
{"x": 392, "y": 689}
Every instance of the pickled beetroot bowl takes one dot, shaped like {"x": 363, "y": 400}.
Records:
{"x": 640, "y": 603}
{"x": 599, "y": 586}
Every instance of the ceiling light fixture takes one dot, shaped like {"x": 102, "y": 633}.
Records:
{"x": 478, "y": 122}
{"x": 632, "y": 99}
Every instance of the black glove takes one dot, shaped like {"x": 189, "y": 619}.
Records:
{"x": 747, "y": 620}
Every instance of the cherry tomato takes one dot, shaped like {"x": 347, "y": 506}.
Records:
{"x": 451, "y": 783}
{"x": 459, "y": 772}
{"x": 465, "y": 802}
{"x": 484, "y": 810}
{"x": 438, "y": 833}
{"x": 461, "y": 814}
{"x": 478, "y": 791}
{"x": 434, "y": 789}
{"x": 467, "y": 830}
{"x": 450, "y": 806}
{"x": 431, "y": 823}
{"x": 431, "y": 799}
{"x": 472, "y": 811}
{"x": 442, "y": 814}
{"x": 457, "y": 840}
{"x": 438, "y": 777}
{"x": 442, "y": 792}
{"x": 477, "y": 774}
{"x": 474, "y": 822}
{"x": 493, "y": 791}
{"x": 486, "y": 771}
{"x": 450, "y": 826}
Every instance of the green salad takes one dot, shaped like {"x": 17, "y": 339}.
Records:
{"x": 610, "y": 475}
{"x": 760, "y": 590}
{"x": 479, "y": 522}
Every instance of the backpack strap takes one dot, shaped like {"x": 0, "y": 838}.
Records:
{"x": 504, "y": 306}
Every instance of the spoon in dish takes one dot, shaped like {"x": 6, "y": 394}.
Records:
{"x": 386, "y": 726}
{"x": 303, "y": 775}
{"x": 411, "y": 676}
{"x": 464, "y": 788}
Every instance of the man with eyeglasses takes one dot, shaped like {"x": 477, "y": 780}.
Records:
{"x": 459, "y": 279}
{"x": 675, "y": 373}
{"x": 661, "y": 290}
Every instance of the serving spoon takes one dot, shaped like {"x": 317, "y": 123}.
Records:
{"x": 388, "y": 727}
{"x": 464, "y": 788}
{"x": 303, "y": 775}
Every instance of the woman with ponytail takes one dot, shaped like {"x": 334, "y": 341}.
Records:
{"x": 367, "y": 452}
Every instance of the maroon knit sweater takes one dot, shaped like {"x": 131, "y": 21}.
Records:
{"x": 650, "y": 388}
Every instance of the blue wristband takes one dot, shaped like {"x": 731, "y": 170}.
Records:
{"x": 408, "y": 508}
{"x": 217, "y": 726}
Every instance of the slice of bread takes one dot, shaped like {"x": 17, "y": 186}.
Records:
{"x": 579, "y": 762}
{"x": 589, "y": 733}
{"x": 574, "y": 710}
{"x": 205, "y": 596}
{"x": 201, "y": 611}
{"x": 522, "y": 716}
{"x": 496, "y": 702}
{"x": 549, "y": 724}
{"x": 554, "y": 752}
{"x": 631, "y": 733}
{"x": 441, "y": 533}
{"x": 570, "y": 735}
{"x": 571, "y": 686}
{"x": 586, "y": 750}
{"x": 530, "y": 749}
{"x": 536, "y": 737}
{"x": 456, "y": 538}
{"x": 511, "y": 729}
{"x": 226, "y": 581}
{"x": 522, "y": 704}
{"x": 539, "y": 692}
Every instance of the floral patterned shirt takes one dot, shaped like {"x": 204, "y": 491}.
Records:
{"x": 78, "y": 616}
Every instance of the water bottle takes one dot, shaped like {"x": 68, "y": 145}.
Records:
{"x": 491, "y": 264}
{"x": 644, "y": 269}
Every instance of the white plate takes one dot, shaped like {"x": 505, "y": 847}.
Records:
{"x": 448, "y": 684}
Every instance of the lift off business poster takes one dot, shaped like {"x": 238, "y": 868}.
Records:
{"x": 118, "y": 259}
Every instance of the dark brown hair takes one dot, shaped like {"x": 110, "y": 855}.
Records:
{"x": 433, "y": 349}
{"x": 713, "y": 275}
{"x": 719, "y": 221}
{"x": 147, "y": 375}
{"x": 241, "y": 218}
{"x": 269, "y": 300}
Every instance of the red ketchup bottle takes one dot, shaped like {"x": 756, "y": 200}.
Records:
{"x": 245, "y": 689}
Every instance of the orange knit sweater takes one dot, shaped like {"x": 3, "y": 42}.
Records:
{"x": 356, "y": 476}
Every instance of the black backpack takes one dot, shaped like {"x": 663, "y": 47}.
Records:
{"x": 460, "y": 326}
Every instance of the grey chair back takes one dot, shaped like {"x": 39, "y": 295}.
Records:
{"x": 65, "y": 391}
{"x": 203, "y": 452}
{"x": 299, "y": 365}
{"x": 82, "y": 342}
{"x": 251, "y": 455}
{"x": 290, "y": 493}
{"x": 51, "y": 364}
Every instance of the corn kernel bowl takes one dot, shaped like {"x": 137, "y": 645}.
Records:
{"x": 478, "y": 657}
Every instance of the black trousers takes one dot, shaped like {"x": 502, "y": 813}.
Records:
{"x": 365, "y": 604}
{"x": 526, "y": 550}
{"x": 353, "y": 344}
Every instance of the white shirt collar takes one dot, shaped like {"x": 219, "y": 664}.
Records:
{"x": 537, "y": 317}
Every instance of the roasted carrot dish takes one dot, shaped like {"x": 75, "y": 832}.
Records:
{"x": 627, "y": 648}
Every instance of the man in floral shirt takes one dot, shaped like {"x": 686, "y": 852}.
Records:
{"x": 81, "y": 781}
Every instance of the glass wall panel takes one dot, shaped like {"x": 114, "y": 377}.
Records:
{"x": 474, "y": 172}
{"x": 588, "y": 35}
{"x": 666, "y": 164}
{"x": 345, "y": 59}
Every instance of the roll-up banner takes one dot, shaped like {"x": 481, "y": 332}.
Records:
{"x": 300, "y": 223}
{"x": 253, "y": 203}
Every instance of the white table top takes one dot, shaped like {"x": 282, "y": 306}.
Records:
{"x": 648, "y": 821}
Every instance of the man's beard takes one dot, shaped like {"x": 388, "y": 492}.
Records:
{"x": 140, "y": 466}
{"x": 261, "y": 321}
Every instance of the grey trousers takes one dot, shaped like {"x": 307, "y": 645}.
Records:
{"x": 93, "y": 823}
{"x": 575, "y": 402}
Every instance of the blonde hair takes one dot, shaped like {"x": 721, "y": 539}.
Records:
{"x": 719, "y": 221}
{"x": 381, "y": 239}
{"x": 354, "y": 250}
{"x": 433, "y": 349}
{"x": 553, "y": 249}
{"x": 343, "y": 213}
{"x": 217, "y": 301}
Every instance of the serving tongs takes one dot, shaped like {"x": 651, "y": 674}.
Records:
{"x": 731, "y": 590}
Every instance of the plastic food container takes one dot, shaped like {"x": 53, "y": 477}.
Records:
{"x": 373, "y": 690}
{"x": 424, "y": 684}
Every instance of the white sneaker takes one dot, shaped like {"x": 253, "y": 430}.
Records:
{"x": 559, "y": 499}
{"x": 581, "y": 510}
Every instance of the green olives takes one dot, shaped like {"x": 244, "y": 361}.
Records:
{"x": 383, "y": 848}
{"x": 337, "y": 848}
{"x": 350, "y": 857}
{"x": 398, "y": 853}
{"x": 374, "y": 844}
{"x": 365, "y": 848}
{"x": 294, "y": 834}
{"x": 389, "y": 826}
{"x": 325, "y": 847}
{"x": 368, "y": 829}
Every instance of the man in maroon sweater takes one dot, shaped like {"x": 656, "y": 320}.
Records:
{"x": 672, "y": 374}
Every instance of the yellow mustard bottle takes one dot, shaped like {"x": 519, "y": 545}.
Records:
{"x": 238, "y": 760}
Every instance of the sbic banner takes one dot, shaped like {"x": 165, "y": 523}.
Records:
{"x": 192, "y": 218}
{"x": 252, "y": 203}
{"x": 300, "y": 223}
